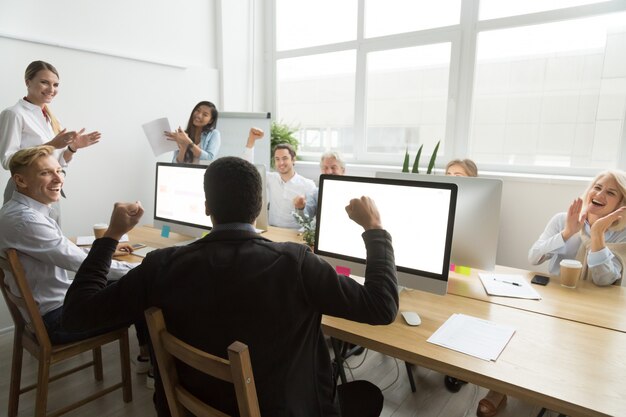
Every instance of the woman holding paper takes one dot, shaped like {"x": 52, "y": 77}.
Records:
{"x": 31, "y": 123}
{"x": 593, "y": 231}
{"x": 201, "y": 141}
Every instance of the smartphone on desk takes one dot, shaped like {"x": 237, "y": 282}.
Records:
{"x": 540, "y": 280}
{"x": 136, "y": 246}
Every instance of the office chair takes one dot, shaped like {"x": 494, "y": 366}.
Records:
{"x": 237, "y": 370}
{"x": 30, "y": 334}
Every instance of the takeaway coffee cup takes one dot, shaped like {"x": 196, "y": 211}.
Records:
{"x": 99, "y": 229}
{"x": 570, "y": 272}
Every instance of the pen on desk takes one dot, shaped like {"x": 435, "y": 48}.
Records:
{"x": 508, "y": 282}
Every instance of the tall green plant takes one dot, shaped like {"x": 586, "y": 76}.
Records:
{"x": 416, "y": 161}
{"x": 431, "y": 163}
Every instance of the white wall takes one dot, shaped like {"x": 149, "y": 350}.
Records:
{"x": 109, "y": 93}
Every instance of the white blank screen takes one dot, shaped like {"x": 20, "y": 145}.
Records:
{"x": 415, "y": 217}
{"x": 180, "y": 195}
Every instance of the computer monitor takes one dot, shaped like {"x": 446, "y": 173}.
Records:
{"x": 418, "y": 215}
{"x": 179, "y": 199}
{"x": 477, "y": 220}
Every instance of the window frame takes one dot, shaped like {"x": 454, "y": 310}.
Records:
{"x": 463, "y": 38}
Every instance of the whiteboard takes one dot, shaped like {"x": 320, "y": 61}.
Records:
{"x": 234, "y": 128}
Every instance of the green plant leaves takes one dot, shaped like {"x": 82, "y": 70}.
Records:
{"x": 416, "y": 163}
{"x": 431, "y": 164}
{"x": 415, "y": 169}
{"x": 405, "y": 165}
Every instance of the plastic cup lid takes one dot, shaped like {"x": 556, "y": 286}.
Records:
{"x": 571, "y": 263}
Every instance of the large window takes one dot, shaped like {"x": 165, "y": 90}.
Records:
{"x": 532, "y": 86}
{"x": 406, "y": 98}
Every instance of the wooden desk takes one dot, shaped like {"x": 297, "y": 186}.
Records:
{"x": 566, "y": 366}
{"x": 152, "y": 237}
{"x": 587, "y": 303}
{"x": 561, "y": 364}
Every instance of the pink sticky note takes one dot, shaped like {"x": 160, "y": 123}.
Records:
{"x": 343, "y": 270}
{"x": 452, "y": 267}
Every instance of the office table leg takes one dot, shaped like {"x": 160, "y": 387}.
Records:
{"x": 338, "y": 346}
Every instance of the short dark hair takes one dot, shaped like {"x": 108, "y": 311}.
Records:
{"x": 233, "y": 190}
{"x": 287, "y": 146}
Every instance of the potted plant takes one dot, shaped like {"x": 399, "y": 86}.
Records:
{"x": 415, "y": 168}
{"x": 308, "y": 225}
{"x": 283, "y": 133}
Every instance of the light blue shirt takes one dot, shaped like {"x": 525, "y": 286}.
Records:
{"x": 209, "y": 146}
{"x": 44, "y": 252}
{"x": 605, "y": 268}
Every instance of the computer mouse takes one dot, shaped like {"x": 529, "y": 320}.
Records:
{"x": 411, "y": 318}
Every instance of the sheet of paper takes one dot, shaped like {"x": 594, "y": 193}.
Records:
{"x": 88, "y": 240}
{"x": 158, "y": 141}
{"x": 480, "y": 338}
{"x": 506, "y": 285}
{"x": 143, "y": 252}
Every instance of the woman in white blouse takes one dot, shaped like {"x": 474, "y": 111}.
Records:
{"x": 31, "y": 123}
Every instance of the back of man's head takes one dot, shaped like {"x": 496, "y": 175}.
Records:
{"x": 233, "y": 190}
{"x": 25, "y": 157}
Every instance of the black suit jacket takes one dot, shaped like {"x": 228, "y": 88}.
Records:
{"x": 235, "y": 285}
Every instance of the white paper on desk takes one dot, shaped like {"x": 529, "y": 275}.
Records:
{"x": 158, "y": 141}
{"x": 502, "y": 285}
{"x": 483, "y": 339}
{"x": 143, "y": 252}
{"x": 88, "y": 240}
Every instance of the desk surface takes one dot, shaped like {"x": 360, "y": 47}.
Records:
{"x": 567, "y": 366}
{"x": 565, "y": 358}
{"x": 152, "y": 237}
{"x": 587, "y": 303}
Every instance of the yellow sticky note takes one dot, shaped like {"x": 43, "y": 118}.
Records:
{"x": 463, "y": 270}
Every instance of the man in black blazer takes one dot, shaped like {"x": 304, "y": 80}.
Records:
{"x": 235, "y": 285}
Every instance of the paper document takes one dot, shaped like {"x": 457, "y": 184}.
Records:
{"x": 143, "y": 252}
{"x": 158, "y": 141}
{"x": 483, "y": 339}
{"x": 505, "y": 285}
{"x": 88, "y": 240}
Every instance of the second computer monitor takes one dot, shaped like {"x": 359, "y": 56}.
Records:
{"x": 179, "y": 199}
{"x": 477, "y": 220}
{"x": 421, "y": 234}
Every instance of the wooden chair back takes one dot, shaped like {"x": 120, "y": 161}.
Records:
{"x": 236, "y": 370}
{"x": 30, "y": 334}
{"x": 23, "y": 307}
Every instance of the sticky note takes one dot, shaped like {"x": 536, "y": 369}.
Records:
{"x": 205, "y": 233}
{"x": 452, "y": 267}
{"x": 165, "y": 231}
{"x": 463, "y": 270}
{"x": 343, "y": 270}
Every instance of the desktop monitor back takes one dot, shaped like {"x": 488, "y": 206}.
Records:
{"x": 421, "y": 234}
{"x": 179, "y": 199}
{"x": 477, "y": 220}
{"x": 262, "y": 221}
